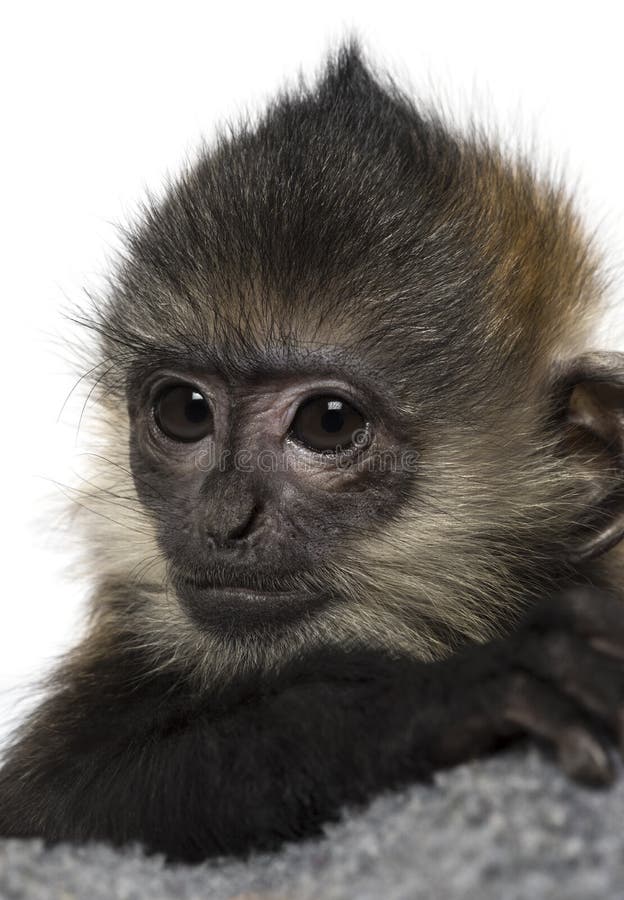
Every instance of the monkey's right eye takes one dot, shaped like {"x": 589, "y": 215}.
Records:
{"x": 183, "y": 413}
{"x": 329, "y": 424}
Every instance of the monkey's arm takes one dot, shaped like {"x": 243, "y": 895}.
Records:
{"x": 119, "y": 756}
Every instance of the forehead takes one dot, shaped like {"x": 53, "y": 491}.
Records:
{"x": 252, "y": 356}
{"x": 402, "y": 377}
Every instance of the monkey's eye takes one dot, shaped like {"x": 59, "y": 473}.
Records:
{"x": 183, "y": 413}
{"x": 329, "y": 425}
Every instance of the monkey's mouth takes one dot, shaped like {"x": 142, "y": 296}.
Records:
{"x": 215, "y": 604}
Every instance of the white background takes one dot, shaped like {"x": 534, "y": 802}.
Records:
{"x": 101, "y": 100}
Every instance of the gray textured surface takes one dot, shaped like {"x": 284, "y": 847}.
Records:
{"x": 503, "y": 829}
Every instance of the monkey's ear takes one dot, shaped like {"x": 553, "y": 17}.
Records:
{"x": 591, "y": 392}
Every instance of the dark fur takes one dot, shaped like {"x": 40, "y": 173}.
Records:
{"x": 343, "y": 235}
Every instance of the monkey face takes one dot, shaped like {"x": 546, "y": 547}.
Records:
{"x": 329, "y": 359}
{"x": 255, "y": 482}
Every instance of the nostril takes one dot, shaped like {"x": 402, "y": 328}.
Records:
{"x": 229, "y": 511}
{"x": 245, "y": 527}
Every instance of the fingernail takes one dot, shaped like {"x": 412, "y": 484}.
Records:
{"x": 584, "y": 759}
{"x": 604, "y": 645}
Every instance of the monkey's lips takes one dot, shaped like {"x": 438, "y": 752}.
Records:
{"x": 234, "y": 607}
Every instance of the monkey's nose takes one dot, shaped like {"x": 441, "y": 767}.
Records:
{"x": 230, "y": 525}
{"x": 244, "y": 527}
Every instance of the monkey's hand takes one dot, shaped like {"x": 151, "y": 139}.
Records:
{"x": 120, "y": 753}
{"x": 559, "y": 678}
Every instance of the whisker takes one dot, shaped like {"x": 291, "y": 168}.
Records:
{"x": 84, "y": 376}
{"x": 94, "y": 387}
{"x": 67, "y": 493}
{"x": 112, "y": 462}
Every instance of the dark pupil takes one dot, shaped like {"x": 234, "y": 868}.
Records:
{"x": 196, "y": 409}
{"x": 183, "y": 413}
{"x": 327, "y": 424}
{"x": 332, "y": 420}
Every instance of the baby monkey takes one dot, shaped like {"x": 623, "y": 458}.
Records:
{"x": 357, "y": 512}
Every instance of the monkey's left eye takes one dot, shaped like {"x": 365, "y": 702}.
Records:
{"x": 183, "y": 413}
{"x": 329, "y": 425}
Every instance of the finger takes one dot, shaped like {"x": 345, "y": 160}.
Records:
{"x": 608, "y": 647}
{"x": 544, "y": 713}
{"x": 594, "y": 680}
{"x": 588, "y": 611}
